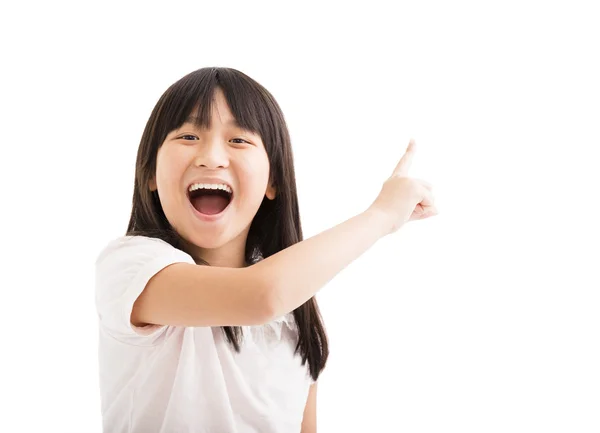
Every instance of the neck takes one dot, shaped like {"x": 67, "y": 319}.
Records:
{"x": 215, "y": 257}
{"x": 230, "y": 255}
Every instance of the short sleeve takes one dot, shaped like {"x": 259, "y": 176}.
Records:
{"x": 123, "y": 268}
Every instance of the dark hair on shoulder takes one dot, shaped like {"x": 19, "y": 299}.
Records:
{"x": 276, "y": 225}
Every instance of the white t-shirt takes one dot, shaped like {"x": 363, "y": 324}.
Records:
{"x": 171, "y": 379}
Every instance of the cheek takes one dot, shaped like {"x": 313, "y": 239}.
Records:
{"x": 255, "y": 174}
{"x": 169, "y": 168}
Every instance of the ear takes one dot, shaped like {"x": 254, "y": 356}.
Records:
{"x": 152, "y": 184}
{"x": 271, "y": 192}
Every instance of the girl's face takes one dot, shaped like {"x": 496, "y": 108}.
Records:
{"x": 222, "y": 154}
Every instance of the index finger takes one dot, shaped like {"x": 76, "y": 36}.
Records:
{"x": 406, "y": 160}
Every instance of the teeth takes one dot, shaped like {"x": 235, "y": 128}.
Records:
{"x": 222, "y": 186}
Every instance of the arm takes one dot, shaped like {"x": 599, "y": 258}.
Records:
{"x": 301, "y": 270}
{"x": 309, "y": 420}
{"x": 185, "y": 294}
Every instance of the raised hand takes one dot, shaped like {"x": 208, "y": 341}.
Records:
{"x": 403, "y": 198}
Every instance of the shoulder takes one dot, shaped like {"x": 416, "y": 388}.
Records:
{"x": 130, "y": 243}
{"x": 138, "y": 249}
{"x": 127, "y": 257}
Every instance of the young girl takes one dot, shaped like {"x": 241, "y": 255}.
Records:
{"x": 206, "y": 311}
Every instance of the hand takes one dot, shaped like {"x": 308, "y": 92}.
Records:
{"x": 402, "y": 198}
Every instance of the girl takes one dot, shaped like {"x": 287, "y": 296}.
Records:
{"x": 237, "y": 344}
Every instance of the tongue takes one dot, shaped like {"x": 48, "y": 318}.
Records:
{"x": 210, "y": 204}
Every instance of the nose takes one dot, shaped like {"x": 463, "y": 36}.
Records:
{"x": 212, "y": 154}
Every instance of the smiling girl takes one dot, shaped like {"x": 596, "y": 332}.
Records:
{"x": 207, "y": 315}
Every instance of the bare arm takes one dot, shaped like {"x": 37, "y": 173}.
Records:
{"x": 309, "y": 420}
{"x": 298, "y": 272}
{"x": 184, "y": 294}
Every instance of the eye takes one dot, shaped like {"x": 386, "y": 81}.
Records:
{"x": 242, "y": 140}
{"x": 188, "y": 135}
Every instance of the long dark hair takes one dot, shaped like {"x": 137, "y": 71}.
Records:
{"x": 276, "y": 225}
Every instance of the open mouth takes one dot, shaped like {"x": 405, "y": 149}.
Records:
{"x": 209, "y": 201}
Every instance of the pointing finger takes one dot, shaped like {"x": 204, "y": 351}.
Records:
{"x": 406, "y": 160}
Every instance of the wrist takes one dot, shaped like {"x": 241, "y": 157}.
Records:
{"x": 379, "y": 219}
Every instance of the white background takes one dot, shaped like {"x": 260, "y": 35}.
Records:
{"x": 482, "y": 319}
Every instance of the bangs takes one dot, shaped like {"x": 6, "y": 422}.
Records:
{"x": 191, "y": 100}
